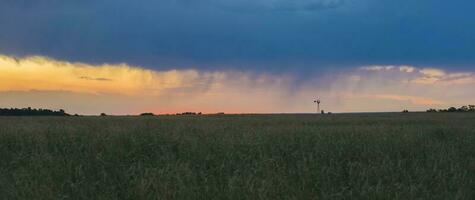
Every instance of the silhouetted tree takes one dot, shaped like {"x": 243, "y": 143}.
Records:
{"x": 452, "y": 109}
{"x": 469, "y": 108}
{"x": 31, "y": 112}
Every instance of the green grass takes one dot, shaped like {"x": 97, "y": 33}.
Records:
{"x": 353, "y": 156}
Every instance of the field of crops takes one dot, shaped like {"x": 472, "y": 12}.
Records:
{"x": 343, "y": 156}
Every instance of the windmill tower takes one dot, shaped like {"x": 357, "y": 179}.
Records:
{"x": 318, "y": 104}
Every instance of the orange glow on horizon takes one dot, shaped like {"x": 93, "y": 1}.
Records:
{"x": 122, "y": 89}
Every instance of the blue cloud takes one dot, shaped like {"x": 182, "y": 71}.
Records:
{"x": 275, "y": 5}
{"x": 260, "y": 35}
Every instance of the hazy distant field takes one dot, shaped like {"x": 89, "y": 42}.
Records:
{"x": 366, "y": 156}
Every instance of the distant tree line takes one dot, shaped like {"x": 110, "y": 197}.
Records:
{"x": 31, "y": 112}
{"x": 189, "y": 113}
{"x": 469, "y": 108}
{"x": 147, "y": 114}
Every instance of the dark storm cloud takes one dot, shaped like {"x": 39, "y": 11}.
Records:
{"x": 259, "y": 34}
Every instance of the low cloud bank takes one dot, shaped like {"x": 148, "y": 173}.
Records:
{"x": 122, "y": 89}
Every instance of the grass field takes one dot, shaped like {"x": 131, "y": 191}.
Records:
{"x": 346, "y": 156}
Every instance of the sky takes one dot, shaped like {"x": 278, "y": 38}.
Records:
{"x": 236, "y": 56}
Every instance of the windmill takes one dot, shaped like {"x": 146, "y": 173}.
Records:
{"x": 318, "y": 104}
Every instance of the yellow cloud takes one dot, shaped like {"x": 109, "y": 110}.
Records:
{"x": 40, "y": 73}
{"x": 123, "y": 89}
{"x": 431, "y": 72}
{"x": 179, "y": 90}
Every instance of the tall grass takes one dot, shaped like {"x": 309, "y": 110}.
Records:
{"x": 364, "y": 156}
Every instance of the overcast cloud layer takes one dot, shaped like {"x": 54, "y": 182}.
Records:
{"x": 264, "y": 35}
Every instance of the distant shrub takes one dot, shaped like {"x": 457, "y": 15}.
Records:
{"x": 103, "y": 114}
{"x": 189, "y": 113}
{"x": 452, "y": 109}
{"x": 147, "y": 114}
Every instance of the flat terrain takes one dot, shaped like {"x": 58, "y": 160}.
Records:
{"x": 345, "y": 156}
